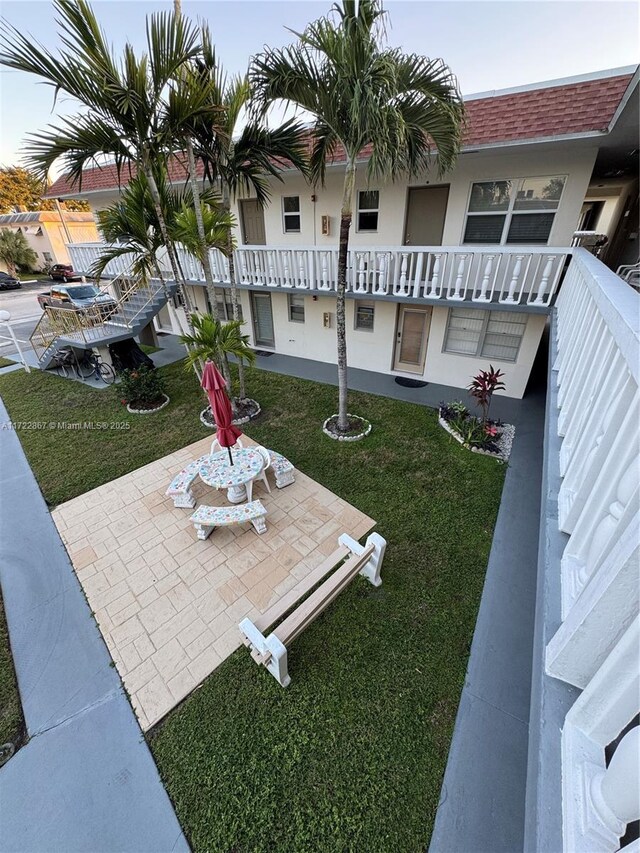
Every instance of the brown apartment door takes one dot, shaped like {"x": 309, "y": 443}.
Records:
{"x": 412, "y": 334}
{"x": 426, "y": 212}
{"x": 252, "y": 218}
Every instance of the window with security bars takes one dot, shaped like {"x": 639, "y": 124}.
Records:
{"x": 520, "y": 210}
{"x": 485, "y": 334}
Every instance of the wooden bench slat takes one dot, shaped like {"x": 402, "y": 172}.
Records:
{"x": 296, "y": 622}
{"x": 289, "y": 599}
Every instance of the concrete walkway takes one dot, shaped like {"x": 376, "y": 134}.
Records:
{"x": 86, "y": 780}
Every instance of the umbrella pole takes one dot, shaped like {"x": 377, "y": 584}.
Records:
{"x": 230, "y": 456}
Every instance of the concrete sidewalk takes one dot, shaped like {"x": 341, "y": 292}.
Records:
{"x": 86, "y": 780}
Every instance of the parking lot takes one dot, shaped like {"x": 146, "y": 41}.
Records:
{"x": 25, "y": 312}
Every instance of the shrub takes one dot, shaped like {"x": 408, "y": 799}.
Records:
{"x": 482, "y": 387}
{"x": 142, "y": 387}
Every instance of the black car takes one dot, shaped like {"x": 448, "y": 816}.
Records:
{"x": 8, "y": 282}
{"x": 64, "y": 272}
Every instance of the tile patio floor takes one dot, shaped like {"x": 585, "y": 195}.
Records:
{"x": 168, "y": 604}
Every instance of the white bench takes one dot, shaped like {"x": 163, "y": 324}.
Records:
{"x": 180, "y": 487}
{"x": 282, "y": 468}
{"x": 206, "y": 518}
{"x": 271, "y": 650}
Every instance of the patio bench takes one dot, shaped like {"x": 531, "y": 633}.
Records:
{"x": 180, "y": 487}
{"x": 347, "y": 561}
{"x": 282, "y": 468}
{"x": 206, "y": 518}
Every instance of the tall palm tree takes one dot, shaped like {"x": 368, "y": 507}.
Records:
{"x": 187, "y": 81}
{"x": 125, "y": 109}
{"x": 406, "y": 107}
{"x": 239, "y": 159}
{"x": 211, "y": 339}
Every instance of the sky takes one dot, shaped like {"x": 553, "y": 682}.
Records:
{"x": 488, "y": 45}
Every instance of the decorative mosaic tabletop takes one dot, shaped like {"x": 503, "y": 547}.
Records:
{"x": 216, "y": 471}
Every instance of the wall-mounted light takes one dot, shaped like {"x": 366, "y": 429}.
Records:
{"x": 326, "y": 320}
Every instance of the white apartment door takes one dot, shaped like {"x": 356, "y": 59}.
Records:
{"x": 411, "y": 339}
{"x": 262, "y": 320}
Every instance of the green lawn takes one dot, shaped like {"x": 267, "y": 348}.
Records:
{"x": 5, "y": 362}
{"x": 351, "y": 755}
{"x": 11, "y": 721}
{"x": 149, "y": 350}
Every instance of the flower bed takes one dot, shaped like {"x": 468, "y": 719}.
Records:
{"x": 357, "y": 428}
{"x": 246, "y": 410}
{"x": 148, "y": 408}
{"x": 491, "y": 438}
{"x": 143, "y": 391}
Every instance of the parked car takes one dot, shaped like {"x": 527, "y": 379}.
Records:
{"x": 8, "y": 282}
{"x": 77, "y": 297}
{"x": 64, "y": 272}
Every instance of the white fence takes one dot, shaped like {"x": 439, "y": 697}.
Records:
{"x": 596, "y": 645}
{"x": 510, "y": 275}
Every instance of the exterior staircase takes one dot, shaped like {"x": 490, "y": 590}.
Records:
{"x": 136, "y": 303}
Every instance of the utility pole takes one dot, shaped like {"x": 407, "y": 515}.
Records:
{"x": 62, "y": 220}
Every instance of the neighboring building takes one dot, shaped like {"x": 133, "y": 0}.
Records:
{"x": 447, "y": 273}
{"x": 46, "y": 234}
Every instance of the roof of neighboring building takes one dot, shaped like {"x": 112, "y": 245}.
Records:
{"x": 552, "y": 110}
{"x": 45, "y": 216}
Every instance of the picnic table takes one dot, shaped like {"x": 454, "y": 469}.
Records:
{"x": 218, "y": 472}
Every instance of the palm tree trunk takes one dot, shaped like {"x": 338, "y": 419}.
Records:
{"x": 226, "y": 204}
{"x": 206, "y": 261}
{"x": 155, "y": 197}
{"x": 343, "y": 249}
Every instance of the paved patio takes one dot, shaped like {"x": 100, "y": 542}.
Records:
{"x": 168, "y": 604}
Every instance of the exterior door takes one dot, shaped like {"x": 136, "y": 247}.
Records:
{"x": 252, "y": 217}
{"x": 262, "y": 319}
{"x": 411, "y": 339}
{"x": 426, "y": 212}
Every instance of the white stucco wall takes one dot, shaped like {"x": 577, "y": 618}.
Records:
{"x": 576, "y": 164}
{"x": 575, "y": 161}
{"x": 452, "y": 369}
{"x": 375, "y": 350}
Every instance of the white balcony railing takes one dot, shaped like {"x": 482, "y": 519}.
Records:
{"x": 595, "y": 647}
{"x": 507, "y": 275}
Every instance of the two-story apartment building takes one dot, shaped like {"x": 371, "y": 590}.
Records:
{"x": 447, "y": 272}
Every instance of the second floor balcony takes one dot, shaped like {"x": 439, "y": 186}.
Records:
{"x": 509, "y": 276}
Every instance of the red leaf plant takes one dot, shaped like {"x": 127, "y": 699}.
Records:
{"x": 482, "y": 387}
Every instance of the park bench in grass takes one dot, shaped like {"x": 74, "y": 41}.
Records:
{"x": 206, "y": 518}
{"x": 351, "y": 559}
{"x": 180, "y": 487}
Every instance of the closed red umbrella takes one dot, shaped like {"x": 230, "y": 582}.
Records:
{"x": 215, "y": 385}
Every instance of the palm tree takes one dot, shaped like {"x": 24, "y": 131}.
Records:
{"x": 239, "y": 160}
{"x": 132, "y": 228}
{"x": 126, "y": 112}
{"x": 188, "y": 83}
{"x": 15, "y": 251}
{"x": 406, "y": 107}
{"x": 216, "y": 341}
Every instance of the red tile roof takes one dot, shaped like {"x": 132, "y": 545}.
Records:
{"x": 555, "y": 111}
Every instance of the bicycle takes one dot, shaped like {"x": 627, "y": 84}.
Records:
{"x": 92, "y": 365}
